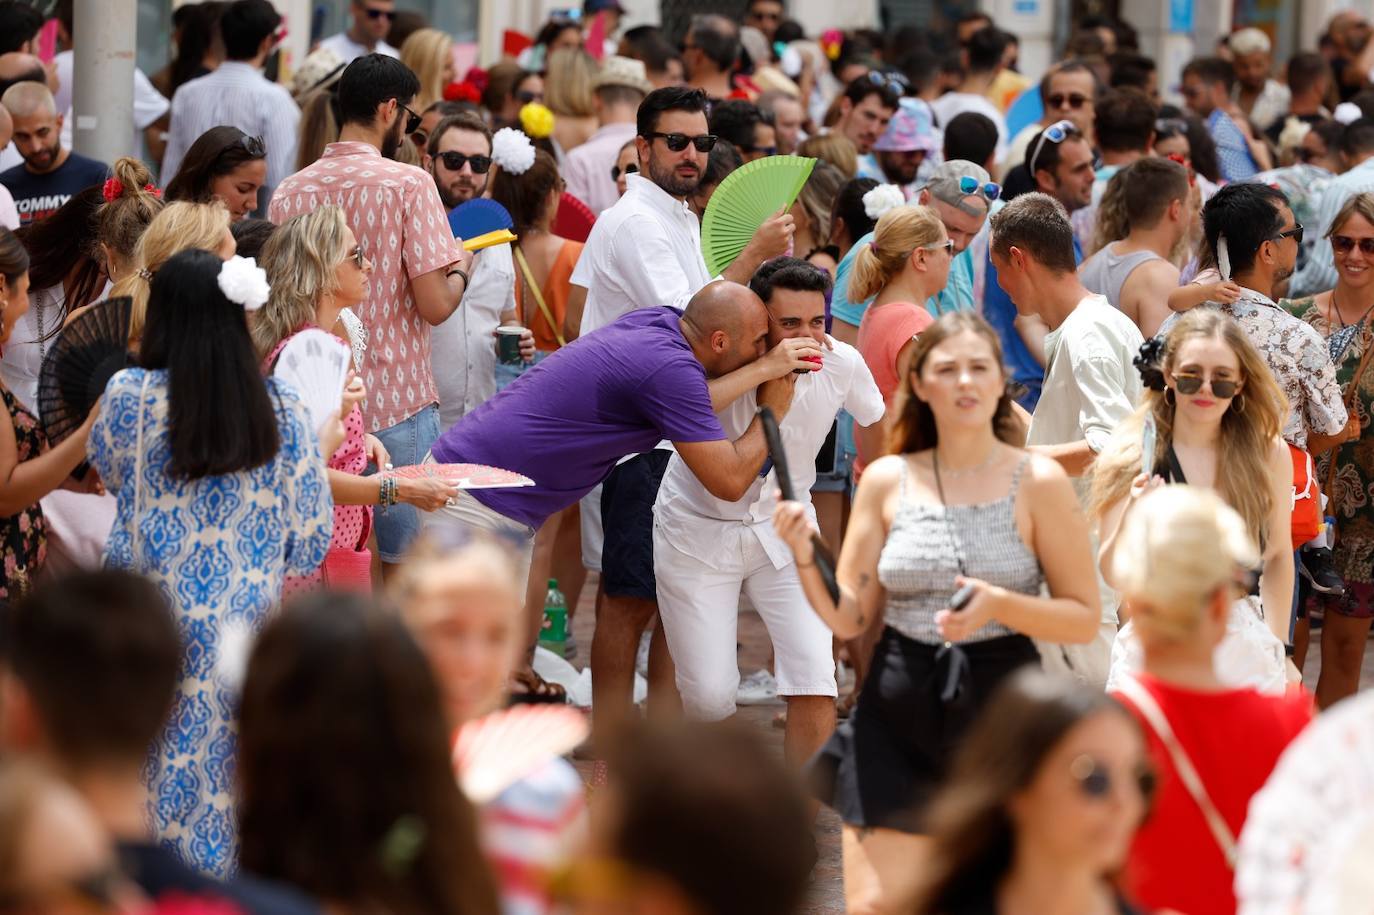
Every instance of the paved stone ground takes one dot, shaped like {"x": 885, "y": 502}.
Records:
{"x": 827, "y": 889}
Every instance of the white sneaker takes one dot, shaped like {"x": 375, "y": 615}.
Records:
{"x": 759, "y": 688}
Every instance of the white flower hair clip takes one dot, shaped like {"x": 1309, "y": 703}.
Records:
{"x": 881, "y": 199}
{"x": 1347, "y": 113}
{"x": 244, "y": 283}
{"x": 512, "y": 150}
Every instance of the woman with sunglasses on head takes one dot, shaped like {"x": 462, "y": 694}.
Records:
{"x": 1042, "y": 802}
{"x": 316, "y": 269}
{"x": 952, "y": 537}
{"x": 1182, "y": 558}
{"x": 1216, "y": 414}
{"x": 1345, "y": 318}
{"x": 224, "y": 164}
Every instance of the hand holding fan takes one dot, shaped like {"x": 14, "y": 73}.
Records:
{"x": 824, "y": 559}
{"x": 748, "y": 197}
{"x": 315, "y": 363}
{"x": 83, "y": 358}
{"x": 481, "y": 223}
{"x": 495, "y": 751}
{"x": 466, "y": 476}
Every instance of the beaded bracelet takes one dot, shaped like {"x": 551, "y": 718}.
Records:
{"x": 386, "y": 497}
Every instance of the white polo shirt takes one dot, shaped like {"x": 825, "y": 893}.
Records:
{"x": 692, "y": 517}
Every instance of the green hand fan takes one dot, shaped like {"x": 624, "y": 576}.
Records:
{"x": 748, "y": 197}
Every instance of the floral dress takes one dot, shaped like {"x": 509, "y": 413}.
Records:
{"x": 219, "y": 547}
{"x": 1353, "y": 553}
{"x": 23, "y": 537}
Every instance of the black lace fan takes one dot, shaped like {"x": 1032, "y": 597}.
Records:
{"x": 81, "y": 360}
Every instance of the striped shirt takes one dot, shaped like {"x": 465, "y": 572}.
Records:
{"x": 395, "y": 212}
{"x": 1233, "y": 152}
{"x": 236, "y": 95}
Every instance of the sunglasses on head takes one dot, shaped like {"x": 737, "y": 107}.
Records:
{"x": 1075, "y": 100}
{"x": 388, "y": 15}
{"x": 968, "y": 186}
{"x": 1095, "y": 779}
{"x": 1295, "y": 233}
{"x": 251, "y": 145}
{"x": 1170, "y": 127}
{"x": 453, "y": 161}
{"x": 1344, "y": 244}
{"x": 617, "y": 171}
{"x": 893, "y": 83}
{"x": 1187, "y": 383}
{"x": 1056, "y": 133}
{"x": 677, "y": 142}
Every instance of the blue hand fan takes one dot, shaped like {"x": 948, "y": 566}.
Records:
{"x": 478, "y": 217}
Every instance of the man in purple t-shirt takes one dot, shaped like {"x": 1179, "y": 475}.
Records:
{"x": 654, "y": 374}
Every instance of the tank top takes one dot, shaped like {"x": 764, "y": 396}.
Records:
{"x": 1106, "y": 272}
{"x": 920, "y": 560}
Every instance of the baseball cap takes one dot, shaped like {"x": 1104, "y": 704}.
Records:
{"x": 911, "y": 129}
{"x": 944, "y": 185}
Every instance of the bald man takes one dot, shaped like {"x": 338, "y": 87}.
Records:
{"x": 656, "y": 373}
{"x": 49, "y": 174}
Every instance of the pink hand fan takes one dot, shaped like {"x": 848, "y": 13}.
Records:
{"x": 467, "y": 476}
{"x": 495, "y": 751}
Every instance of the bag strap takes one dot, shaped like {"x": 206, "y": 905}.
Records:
{"x": 1352, "y": 391}
{"x": 538, "y": 296}
{"x": 1141, "y": 698}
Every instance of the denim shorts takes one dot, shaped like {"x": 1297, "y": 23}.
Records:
{"x": 838, "y": 478}
{"x": 407, "y": 442}
{"x": 505, "y": 374}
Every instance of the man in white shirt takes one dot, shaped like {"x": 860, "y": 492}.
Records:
{"x": 982, "y": 61}
{"x": 706, "y": 550}
{"x": 1091, "y": 383}
{"x": 645, "y": 251}
{"x": 237, "y": 94}
{"x": 367, "y": 32}
{"x": 619, "y": 88}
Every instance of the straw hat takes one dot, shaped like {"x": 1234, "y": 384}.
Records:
{"x": 623, "y": 71}
{"x": 322, "y": 68}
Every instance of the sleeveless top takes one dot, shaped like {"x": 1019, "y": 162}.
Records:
{"x": 1105, "y": 272}
{"x": 919, "y": 562}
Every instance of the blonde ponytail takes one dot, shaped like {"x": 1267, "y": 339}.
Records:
{"x": 899, "y": 232}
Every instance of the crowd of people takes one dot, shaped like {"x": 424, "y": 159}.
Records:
{"x": 1069, "y": 386}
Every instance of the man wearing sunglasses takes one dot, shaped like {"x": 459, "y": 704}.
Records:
{"x": 866, "y": 107}
{"x": 420, "y": 271}
{"x": 1068, "y": 92}
{"x": 238, "y": 95}
{"x": 366, "y": 34}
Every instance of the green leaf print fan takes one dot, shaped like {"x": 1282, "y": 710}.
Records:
{"x": 744, "y": 201}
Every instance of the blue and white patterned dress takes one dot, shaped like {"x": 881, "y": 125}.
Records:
{"x": 219, "y": 547}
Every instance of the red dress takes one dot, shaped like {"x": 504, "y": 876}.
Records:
{"x": 1234, "y": 739}
{"x": 352, "y": 523}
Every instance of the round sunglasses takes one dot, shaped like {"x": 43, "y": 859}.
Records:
{"x": 968, "y": 186}
{"x": 1187, "y": 383}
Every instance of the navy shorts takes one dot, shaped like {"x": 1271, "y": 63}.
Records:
{"x": 627, "y": 517}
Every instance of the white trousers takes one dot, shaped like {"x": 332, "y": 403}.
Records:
{"x": 699, "y": 608}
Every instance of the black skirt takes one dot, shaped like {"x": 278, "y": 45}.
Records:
{"x": 882, "y": 766}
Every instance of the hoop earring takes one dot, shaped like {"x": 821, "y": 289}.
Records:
{"x": 1169, "y": 396}
{"x": 1238, "y": 404}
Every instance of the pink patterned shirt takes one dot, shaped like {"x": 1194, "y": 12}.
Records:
{"x": 395, "y": 212}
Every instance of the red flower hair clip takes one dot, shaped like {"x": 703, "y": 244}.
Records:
{"x": 462, "y": 92}
{"x": 114, "y": 189}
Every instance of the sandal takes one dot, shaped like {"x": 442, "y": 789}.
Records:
{"x": 528, "y": 688}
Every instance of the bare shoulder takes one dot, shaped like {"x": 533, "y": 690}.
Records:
{"x": 1042, "y": 471}
{"x": 884, "y": 473}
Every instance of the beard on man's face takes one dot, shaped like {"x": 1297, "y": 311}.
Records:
{"x": 392, "y": 141}
{"x": 673, "y": 182}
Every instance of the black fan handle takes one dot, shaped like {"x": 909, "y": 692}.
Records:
{"x": 825, "y": 560}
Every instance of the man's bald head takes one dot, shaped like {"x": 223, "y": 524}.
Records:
{"x": 727, "y": 326}
{"x": 27, "y": 100}
{"x": 17, "y": 67}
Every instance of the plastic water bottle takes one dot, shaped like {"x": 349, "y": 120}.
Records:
{"x": 553, "y": 633}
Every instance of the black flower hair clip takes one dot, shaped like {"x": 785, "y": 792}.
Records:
{"x": 1149, "y": 362}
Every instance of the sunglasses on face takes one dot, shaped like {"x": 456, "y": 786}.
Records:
{"x": 358, "y": 256}
{"x": 1187, "y": 383}
{"x": 388, "y": 15}
{"x": 766, "y": 150}
{"x": 454, "y": 161}
{"x": 1344, "y": 244}
{"x": 1295, "y": 233}
{"x": 617, "y": 171}
{"x": 524, "y": 96}
{"x": 1095, "y": 779}
{"x": 1056, "y": 133}
{"x": 946, "y": 246}
{"x": 412, "y": 120}
{"x": 1074, "y": 100}
{"x": 677, "y": 142}
{"x": 968, "y": 186}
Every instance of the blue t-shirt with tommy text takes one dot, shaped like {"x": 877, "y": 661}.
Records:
{"x": 39, "y": 196}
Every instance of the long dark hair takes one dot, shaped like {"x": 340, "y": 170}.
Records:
{"x": 62, "y": 251}
{"x": 333, "y": 679}
{"x": 197, "y": 25}
{"x": 216, "y": 152}
{"x": 974, "y": 839}
{"x": 915, "y": 428}
{"x": 220, "y": 415}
